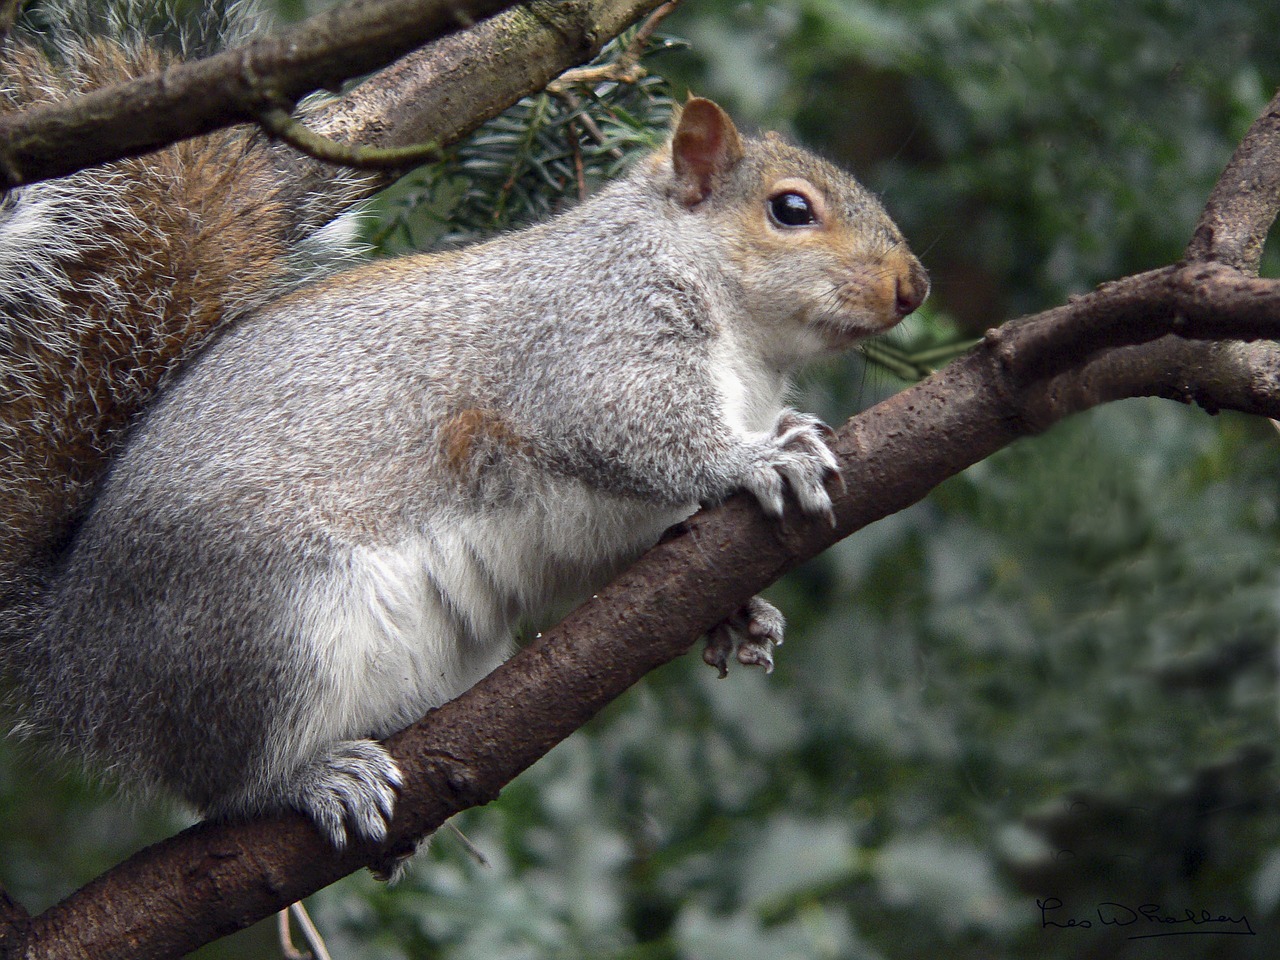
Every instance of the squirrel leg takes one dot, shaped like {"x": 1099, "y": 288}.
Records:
{"x": 794, "y": 456}
{"x": 751, "y": 633}
{"x": 348, "y": 790}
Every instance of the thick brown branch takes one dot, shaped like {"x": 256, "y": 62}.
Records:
{"x": 463, "y": 753}
{"x": 1212, "y": 375}
{"x": 444, "y": 90}
{"x": 193, "y": 98}
{"x": 1245, "y": 200}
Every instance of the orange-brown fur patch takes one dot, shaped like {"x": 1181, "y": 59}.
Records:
{"x": 470, "y": 437}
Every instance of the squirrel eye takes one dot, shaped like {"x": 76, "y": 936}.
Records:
{"x": 792, "y": 209}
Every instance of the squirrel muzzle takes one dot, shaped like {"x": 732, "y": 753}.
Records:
{"x": 873, "y": 294}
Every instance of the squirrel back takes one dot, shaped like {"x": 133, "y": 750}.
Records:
{"x": 112, "y": 277}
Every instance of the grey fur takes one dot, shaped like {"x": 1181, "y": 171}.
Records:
{"x": 334, "y": 516}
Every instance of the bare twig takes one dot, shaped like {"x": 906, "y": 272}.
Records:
{"x": 625, "y": 69}
{"x": 315, "y": 942}
{"x": 474, "y": 852}
{"x": 284, "y": 934}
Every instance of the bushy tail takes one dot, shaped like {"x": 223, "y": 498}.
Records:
{"x": 186, "y": 29}
{"x": 110, "y": 278}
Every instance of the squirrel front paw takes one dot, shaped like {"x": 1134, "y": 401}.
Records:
{"x": 796, "y": 455}
{"x": 752, "y": 633}
{"x": 348, "y": 790}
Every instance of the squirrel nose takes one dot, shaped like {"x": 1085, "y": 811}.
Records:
{"x": 912, "y": 288}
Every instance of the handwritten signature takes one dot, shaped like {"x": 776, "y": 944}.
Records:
{"x": 1147, "y": 919}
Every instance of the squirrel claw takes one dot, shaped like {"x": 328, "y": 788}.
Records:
{"x": 796, "y": 455}
{"x": 349, "y": 791}
{"x": 716, "y": 652}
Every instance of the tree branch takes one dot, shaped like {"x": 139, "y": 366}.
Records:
{"x": 193, "y": 98}
{"x": 443, "y": 91}
{"x": 437, "y": 93}
{"x": 281, "y": 124}
{"x": 1205, "y": 301}
{"x": 13, "y": 918}
{"x": 1244, "y": 202}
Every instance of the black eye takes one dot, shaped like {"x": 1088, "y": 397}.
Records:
{"x": 792, "y": 210}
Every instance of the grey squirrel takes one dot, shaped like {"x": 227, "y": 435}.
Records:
{"x": 334, "y": 515}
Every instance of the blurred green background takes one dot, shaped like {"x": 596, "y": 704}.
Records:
{"x": 1055, "y": 678}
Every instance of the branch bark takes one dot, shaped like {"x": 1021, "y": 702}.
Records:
{"x": 445, "y": 90}
{"x": 453, "y": 85}
{"x": 189, "y": 99}
{"x": 1240, "y": 210}
{"x": 1202, "y": 301}
{"x": 436, "y": 93}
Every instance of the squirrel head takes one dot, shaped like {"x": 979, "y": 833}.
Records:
{"x": 817, "y": 257}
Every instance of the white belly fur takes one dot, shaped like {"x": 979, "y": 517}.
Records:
{"x": 404, "y": 627}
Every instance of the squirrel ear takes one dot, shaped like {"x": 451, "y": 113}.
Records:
{"x": 705, "y": 146}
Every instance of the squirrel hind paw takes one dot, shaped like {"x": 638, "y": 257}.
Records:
{"x": 349, "y": 790}
{"x": 750, "y": 634}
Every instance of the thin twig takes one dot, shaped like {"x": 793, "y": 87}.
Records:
{"x": 285, "y": 937}
{"x": 281, "y": 124}
{"x": 579, "y": 171}
{"x": 476, "y": 854}
{"x": 624, "y": 69}
{"x": 314, "y": 941}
